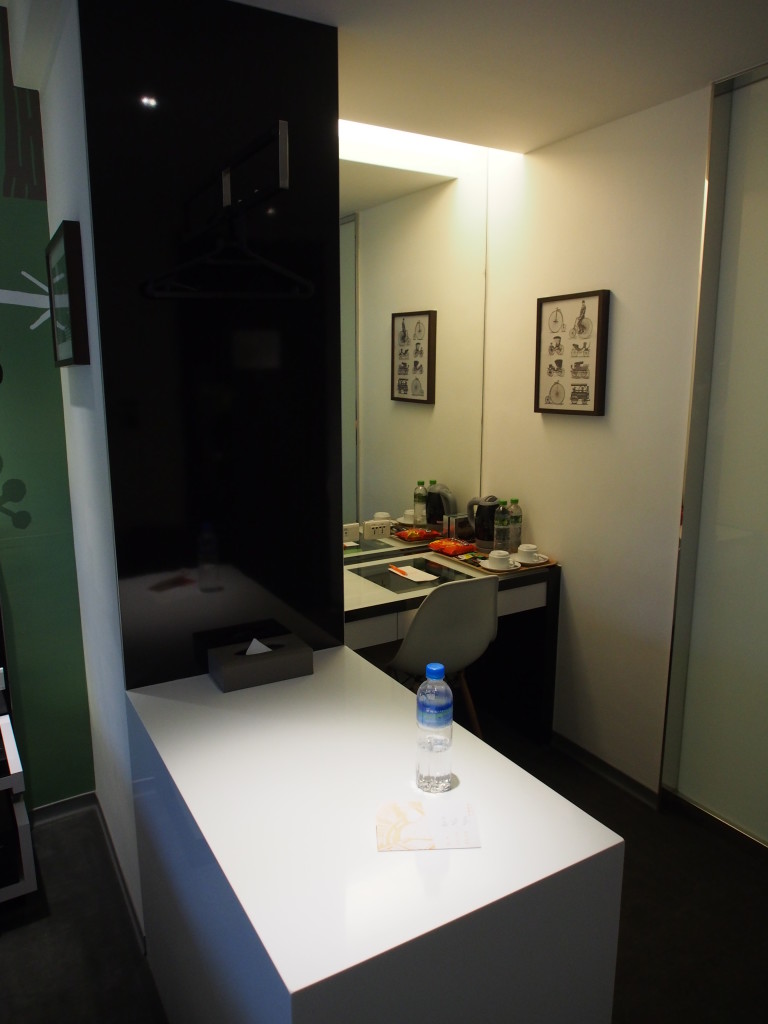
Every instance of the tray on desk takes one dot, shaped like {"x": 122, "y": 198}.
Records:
{"x": 475, "y": 561}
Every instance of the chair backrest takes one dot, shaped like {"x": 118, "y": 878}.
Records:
{"x": 453, "y": 624}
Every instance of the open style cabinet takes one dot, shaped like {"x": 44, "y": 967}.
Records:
{"x": 17, "y": 862}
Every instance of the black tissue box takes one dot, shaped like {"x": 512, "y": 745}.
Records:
{"x": 233, "y": 669}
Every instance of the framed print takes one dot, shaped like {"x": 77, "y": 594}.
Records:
{"x": 413, "y": 357}
{"x": 66, "y": 295}
{"x": 571, "y": 353}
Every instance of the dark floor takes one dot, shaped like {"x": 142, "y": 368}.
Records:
{"x": 70, "y": 953}
{"x": 693, "y": 937}
{"x": 693, "y": 943}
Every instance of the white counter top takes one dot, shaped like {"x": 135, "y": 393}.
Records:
{"x": 284, "y": 782}
{"x": 362, "y": 593}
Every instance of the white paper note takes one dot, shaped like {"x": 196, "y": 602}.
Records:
{"x": 412, "y": 573}
{"x": 416, "y": 825}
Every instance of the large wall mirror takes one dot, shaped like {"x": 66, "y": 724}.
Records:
{"x": 412, "y": 237}
{"x": 218, "y": 322}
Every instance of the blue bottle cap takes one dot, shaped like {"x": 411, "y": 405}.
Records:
{"x": 435, "y": 670}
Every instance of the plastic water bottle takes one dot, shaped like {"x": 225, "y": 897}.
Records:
{"x": 516, "y": 525}
{"x": 434, "y": 725}
{"x": 420, "y": 505}
{"x": 502, "y": 536}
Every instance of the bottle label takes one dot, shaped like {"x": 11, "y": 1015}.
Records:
{"x": 431, "y": 715}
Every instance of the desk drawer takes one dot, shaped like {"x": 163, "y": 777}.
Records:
{"x": 522, "y": 599}
{"x": 404, "y": 620}
{"x": 379, "y": 629}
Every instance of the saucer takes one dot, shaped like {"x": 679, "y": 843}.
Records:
{"x": 535, "y": 561}
{"x": 484, "y": 564}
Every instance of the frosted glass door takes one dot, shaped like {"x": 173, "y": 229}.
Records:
{"x": 724, "y": 746}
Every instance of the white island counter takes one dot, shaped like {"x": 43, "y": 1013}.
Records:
{"x": 266, "y": 898}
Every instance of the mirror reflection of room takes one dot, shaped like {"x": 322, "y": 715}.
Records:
{"x": 413, "y": 232}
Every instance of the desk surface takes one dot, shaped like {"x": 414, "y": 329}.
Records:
{"x": 361, "y": 593}
{"x": 284, "y": 782}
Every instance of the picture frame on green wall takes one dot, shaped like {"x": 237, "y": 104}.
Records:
{"x": 66, "y": 295}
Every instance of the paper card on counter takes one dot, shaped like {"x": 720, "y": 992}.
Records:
{"x": 412, "y": 573}
{"x": 412, "y": 825}
{"x": 257, "y": 647}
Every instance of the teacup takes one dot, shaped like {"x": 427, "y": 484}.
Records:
{"x": 498, "y": 559}
{"x": 528, "y": 553}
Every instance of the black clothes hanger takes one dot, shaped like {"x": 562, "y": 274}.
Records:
{"x": 230, "y": 268}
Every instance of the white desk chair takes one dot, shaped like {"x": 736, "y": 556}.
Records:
{"x": 453, "y": 625}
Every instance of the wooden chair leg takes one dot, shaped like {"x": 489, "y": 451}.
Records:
{"x": 470, "y": 705}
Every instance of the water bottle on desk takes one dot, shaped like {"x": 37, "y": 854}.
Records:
{"x": 420, "y": 505}
{"x": 434, "y": 725}
{"x": 516, "y": 525}
{"x": 501, "y": 527}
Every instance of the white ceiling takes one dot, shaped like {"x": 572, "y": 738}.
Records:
{"x": 508, "y": 74}
{"x": 519, "y": 74}
{"x": 362, "y": 186}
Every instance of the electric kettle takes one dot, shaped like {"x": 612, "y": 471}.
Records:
{"x": 440, "y": 502}
{"x": 480, "y": 512}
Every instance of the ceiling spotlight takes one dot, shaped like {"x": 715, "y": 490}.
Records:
{"x": 149, "y": 101}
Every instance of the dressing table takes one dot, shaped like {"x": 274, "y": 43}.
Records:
{"x": 521, "y": 662}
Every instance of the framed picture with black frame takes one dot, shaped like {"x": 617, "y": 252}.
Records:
{"x": 413, "y": 357}
{"x": 66, "y": 295}
{"x": 572, "y": 353}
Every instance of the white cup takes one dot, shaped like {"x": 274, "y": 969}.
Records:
{"x": 498, "y": 559}
{"x": 381, "y": 515}
{"x": 528, "y": 553}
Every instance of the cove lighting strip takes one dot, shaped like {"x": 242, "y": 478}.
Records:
{"x": 388, "y": 147}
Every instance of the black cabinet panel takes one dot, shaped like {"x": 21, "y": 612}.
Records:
{"x": 219, "y": 323}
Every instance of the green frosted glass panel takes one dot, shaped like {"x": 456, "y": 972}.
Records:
{"x": 38, "y": 582}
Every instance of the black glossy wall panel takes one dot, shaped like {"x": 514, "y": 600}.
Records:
{"x": 219, "y": 325}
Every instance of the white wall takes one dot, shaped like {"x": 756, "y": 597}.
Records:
{"x": 620, "y": 208}
{"x": 426, "y": 251}
{"x": 60, "y": 85}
